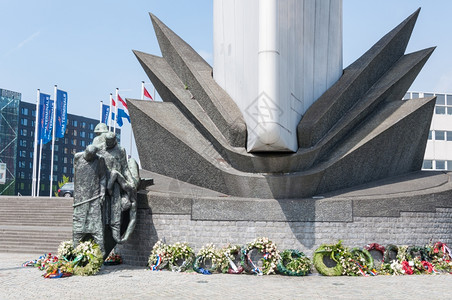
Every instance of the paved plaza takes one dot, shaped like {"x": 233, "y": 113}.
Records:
{"x": 128, "y": 282}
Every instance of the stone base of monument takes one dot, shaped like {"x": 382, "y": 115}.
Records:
{"x": 413, "y": 209}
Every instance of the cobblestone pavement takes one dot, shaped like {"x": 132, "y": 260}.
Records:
{"x": 127, "y": 282}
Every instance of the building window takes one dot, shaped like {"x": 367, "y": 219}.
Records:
{"x": 91, "y": 135}
{"x": 23, "y": 132}
{"x": 440, "y": 99}
{"x": 440, "y": 135}
{"x": 428, "y": 164}
{"x": 66, "y": 150}
{"x": 74, "y": 123}
{"x": 430, "y": 134}
{"x": 91, "y": 126}
{"x": 33, "y": 113}
{"x": 440, "y": 110}
{"x": 83, "y": 124}
{"x": 449, "y": 165}
{"x": 22, "y": 153}
{"x": 55, "y": 157}
{"x": 23, "y": 143}
{"x": 21, "y": 164}
{"x": 74, "y": 142}
{"x": 75, "y": 132}
{"x": 82, "y": 143}
{"x": 56, "y": 147}
{"x": 440, "y": 165}
{"x": 24, "y": 111}
{"x": 24, "y": 122}
{"x": 449, "y": 135}
{"x": 65, "y": 170}
{"x": 82, "y": 134}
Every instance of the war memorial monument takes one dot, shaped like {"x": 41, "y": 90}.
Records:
{"x": 278, "y": 140}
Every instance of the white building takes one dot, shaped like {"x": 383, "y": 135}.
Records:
{"x": 438, "y": 153}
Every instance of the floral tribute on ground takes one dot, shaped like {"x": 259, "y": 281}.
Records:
{"x": 86, "y": 259}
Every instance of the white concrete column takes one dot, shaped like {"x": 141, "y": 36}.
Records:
{"x": 275, "y": 58}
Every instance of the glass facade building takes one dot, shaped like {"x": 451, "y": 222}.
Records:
{"x": 9, "y": 117}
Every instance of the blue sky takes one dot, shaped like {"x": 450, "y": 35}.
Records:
{"x": 85, "y": 47}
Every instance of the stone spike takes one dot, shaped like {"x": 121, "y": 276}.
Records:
{"x": 391, "y": 87}
{"x": 357, "y": 79}
{"x": 196, "y": 75}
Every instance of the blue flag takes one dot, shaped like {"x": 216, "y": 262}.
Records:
{"x": 105, "y": 113}
{"x": 61, "y": 114}
{"x": 45, "y": 118}
{"x": 121, "y": 114}
{"x": 48, "y": 121}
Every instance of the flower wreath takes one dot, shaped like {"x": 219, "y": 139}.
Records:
{"x": 89, "y": 259}
{"x": 113, "y": 259}
{"x": 294, "y": 263}
{"x": 269, "y": 261}
{"x": 390, "y": 248}
{"x": 421, "y": 251}
{"x": 160, "y": 256}
{"x": 181, "y": 257}
{"x": 333, "y": 251}
{"x": 375, "y": 246}
{"x": 229, "y": 259}
{"x": 206, "y": 254}
{"x": 363, "y": 260}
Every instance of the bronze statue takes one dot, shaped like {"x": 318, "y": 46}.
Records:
{"x": 89, "y": 196}
{"x": 105, "y": 186}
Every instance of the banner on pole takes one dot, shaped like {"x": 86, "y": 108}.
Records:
{"x": 46, "y": 118}
{"x": 105, "y": 113}
{"x": 61, "y": 114}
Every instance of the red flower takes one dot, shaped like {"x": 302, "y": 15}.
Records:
{"x": 406, "y": 267}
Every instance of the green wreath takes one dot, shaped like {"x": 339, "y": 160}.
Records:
{"x": 325, "y": 250}
{"x": 423, "y": 253}
{"x": 389, "y": 248}
{"x": 90, "y": 264}
{"x": 200, "y": 263}
{"x": 294, "y": 263}
{"x": 363, "y": 253}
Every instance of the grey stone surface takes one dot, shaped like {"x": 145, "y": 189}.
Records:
{"x": 357, "y": 79}
{"x": 338, "y": 131}
{"x": 196, "y": 74}
{"x": 127, "y": 282}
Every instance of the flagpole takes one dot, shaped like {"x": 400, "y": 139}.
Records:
{"x": 35, "y": 150}
{"x": 53, "y": 138}
{"x": 142, "y": 90}
{"x": 100, "y": 112}
{"x": 39, "y": 169}
{"x": 154, "y": 91}
{"x": 111, "y": 112}
{"x": 116, "y": 111}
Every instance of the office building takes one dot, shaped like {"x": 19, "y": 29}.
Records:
{"x": 438, "y": 153}
{"x": 17, "y": 138}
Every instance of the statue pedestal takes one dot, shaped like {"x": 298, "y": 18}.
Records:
{"x": 407, "y": 210}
